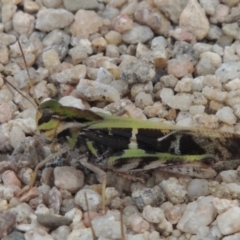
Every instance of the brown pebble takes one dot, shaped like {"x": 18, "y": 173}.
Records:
{"x": 7, "y": 222}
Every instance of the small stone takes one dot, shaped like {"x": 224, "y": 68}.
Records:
{"x": 8, "y": 11}
{"x": 184, "y": 85}
{"x": 61, "y": 233}
{"x": 93, "y": 198}
{"x": 31, "y": 6}
{"x": 228, "y": 221}
{"x": 146, "y": 15}
{"x": 182, "y": 35}
{"x": 228, "y": 71}
{"x": 104, "y": 76}
{"x": 16, "y": 135}
{"x": 200, "y": 48}
{"x": 141, "y": 87}
{"x": 218, "y": 49}
{"x": 179, "y": 68}
{"x": 214, "y": 105}
{"x": 116, "y": 4}
{"x": 37, "y": 233}
{"x": 50, "y": 19}
{"x": 37, "y": 75}
{"x": 143, "y": 100}
{"x": 6, "y": 112}
{"x": 214, "y": 94}
{"x": 121, "y": 86}
{"x": 178, "y": 195}
{"x": 7, "y": 222}
{"x": 169, "y": 81}
{"x": 4, "y": 54}
{"x": 205, "y": 121}
{"x": 55, "y": 200}
{"x": 153, "y": 214}
{"x": 231, "y": 30}
{"x": 209, "y": 62}
{"x": 212, "y": 81}
{"x": 23, "y": 23}
{"x": 78, "y": 54}
{"x": 138, "y": 72}
{"x": 181, "y": 101}
{"x": 229, "y": 55}
{"x": 171, "y": 9}
{"x": 214, "y": 33}
{"x": 194, "y": 20}
{"x": 71, "y": 75}
{"x": 197, "y": 109}
{"x": 14, "y": 236}
{"x": 83, "y": 233}
{"x": 236, "y": 110}
{"x": 50, "y": 59}
{"x": 137, "y": 34}
{"x": 52, "y": 3}
{"x": 112, "y": 51}
{"x": 230, "y": 176}
{"x": 85, "y": 23}
{"x": 107, "y": 226}
{"x": 139, "y": 225}
{"x": 231, "y": 3}
{"x": 32, "y": 193}
{"x": 111, "y": 193}
{"x": 68, "y": 178}
{"x": 226, "y": 115}
{"x": 148, "y": 196}
{"x": 209, "y": 7}
{"x": 52, "y": 221}
{"x": 197, "y": 214}
{"x": 222, "y": 205}
{"x": 99, "y": 44}
{"x": 112, "y": 68}
{"x": 233, "y": 98}
{"x": 219, "y": 190}
{"x": 113, "y": 37}
{"x": 9, "y": 178}
{"x": 233, "y": 84}
{"x": 7, "y": 38}
{"x": 76, "y": 215}
{"x": 174, "y": 213}
{"x": 95, "y": 91}
{"x": 74, "y": 5}
{"x": 72, "y": 102}
{"x": 57, "y": 40}
{"x": 158, "y": 43}
{"x": 122, "y": 23}
{"x": 197, "y": 188}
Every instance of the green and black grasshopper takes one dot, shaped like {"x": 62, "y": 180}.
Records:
{"x": 129, "y": 145}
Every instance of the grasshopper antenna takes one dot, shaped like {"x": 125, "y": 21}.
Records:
{"x": 30, "y": 80}
{"x": 33, "y": 103}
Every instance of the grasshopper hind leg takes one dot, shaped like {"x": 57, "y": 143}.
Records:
{"x": 192, "y": 170}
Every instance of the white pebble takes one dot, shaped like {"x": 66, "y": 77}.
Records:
{"x": 226, "y": 115}
{"x": 197, "y": 214}
{"x": 228, "y": 222}
{"x": 93, "y": 198}
{"x": 173, "y": 190}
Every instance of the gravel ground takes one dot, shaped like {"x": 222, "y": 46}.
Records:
{"x": 175, "y": 62}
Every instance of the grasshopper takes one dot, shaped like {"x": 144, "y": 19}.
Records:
{"x": 136, "y": 145}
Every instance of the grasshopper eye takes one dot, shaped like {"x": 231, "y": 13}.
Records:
{"x": 45, "y": 116}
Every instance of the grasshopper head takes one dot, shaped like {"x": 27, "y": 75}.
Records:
{"x": 47, "y": 121}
